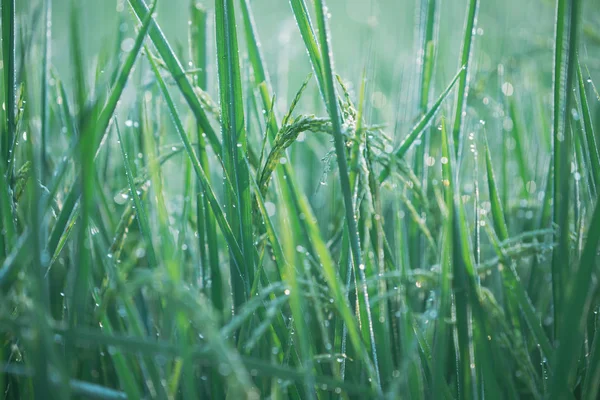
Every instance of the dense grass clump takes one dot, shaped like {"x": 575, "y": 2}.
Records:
{"x": 186, "y": 213}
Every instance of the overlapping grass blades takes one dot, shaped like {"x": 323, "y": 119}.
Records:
{"x": 234, "y": 145}
{"x": 411, "y": 267}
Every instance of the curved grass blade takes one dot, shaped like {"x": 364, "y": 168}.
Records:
{"x": 206, "y": 186}
{"x": 590, "y": 136}
{"x": 475, "y": 356}
{"x": 510, "y": 276}
{"x": 174, "y": 66}
{"x": 416, "y": 130}
{"x": 340, "y": 150}
{"x": 98, "y": 129}
{"x": 140, "y": 214}
{"x": 577, "y": 303}
{"x": 297, "y": 304}
{"x": 308, "y": 36}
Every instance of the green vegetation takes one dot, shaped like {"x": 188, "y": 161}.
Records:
{"x": 285, "y": 200}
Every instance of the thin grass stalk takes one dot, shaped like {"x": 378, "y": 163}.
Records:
{"x": 9, "y": 62}
{"x": 465, "y": 58}
{"x": 564, "y": 61}
{"x": 199, "y": 50}
{"x": 234, "y": 146}
{"x": 77, "y": 57}
{"x": 46, "y": 64}
{"x": 340, "y": 149}
{"x": 177, "y": 72}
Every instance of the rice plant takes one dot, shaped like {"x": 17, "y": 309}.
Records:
{"x": 303, "y": 199}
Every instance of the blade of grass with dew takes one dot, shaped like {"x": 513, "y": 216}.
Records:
{"x": 592, "y": 144}
{"x": 99, "y": 130}
{"x": 467, "y": 376}
{"x": 174, "y": 66}
{"x": 14, "y": 261}
{"x": 291, "y": 199}
{"x": 340, "y": 149}
{"x": 442, "y": 328}
{"x": 382, "y": 324}
{"x": 161, "y": 216}
{"x": 517, "y": 292}
{"x": 331, "y": 275}
{"x": 77, "y": 56}
{"x": 591, "y": 383}
{"x": 428, "y": 31}
{"x": 308, "y": 36}
{"x": 234, "y": 146}
{"x": 140, "y": 213}
{"x": 9, "y": 62}
{"x": 46, "y": 61}
{"x": 201, "y": 175}
{"x": 88, "y": 147}
{"x": 125, "y": 375}
{"x": 296, "y": 301}
{"x": 465, "y": 60}
{"x": 564, "y": 58}
{"x": 204, "y": 213}
{"x": 577, "y": 302}
{"x": 43, "y": 354}
{"x": 201, "y": 355}
{"x": 416, "y": 130}
{"x": 150, "y": 370}
{"x": 407, "y": 355}
{"x": 256, "y": 60}
{"x": 288, "y": 213}
{"x": 7, "y": 222}
{"x": 474, "y": 354}
{"x": 518, "y": 133}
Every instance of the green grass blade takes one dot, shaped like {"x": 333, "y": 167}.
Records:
{"x": 7, "y": 213}
{"x": 590, "y": 136}
{"x": 577, "y": 304}
{"x": 9, "y": 62}
{"x": 140, "y": 214}
{"x": 443, "y": 328}
{"x": 340, "y": 150}
{"x": 175, "y": 68}
{"x": 199, "y": 50}
{"x": 308, "y": 36}
{"x": 564, "y": 59}
{"x": 416, "y": 130}
{"x": 234, "y": 146}
{"x": 518, "y": 133}
{"x": 47, "y": 56}
{"x": 475, "y": 357}
{"x": 465, "y": 60}
{"x": 201, "y": 175}
{"x": 512, "y": 280}
{"x": 77, "y": 56}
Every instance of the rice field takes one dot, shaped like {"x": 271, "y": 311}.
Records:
{"x": 300, "y": 199}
